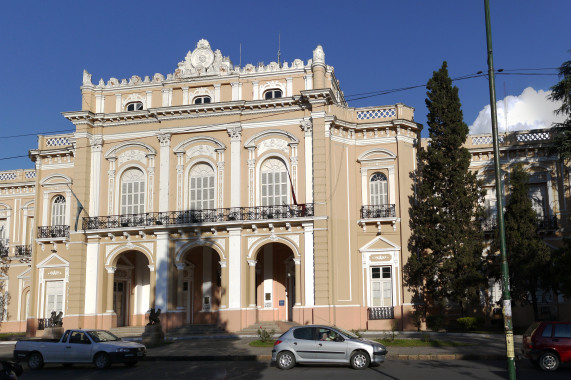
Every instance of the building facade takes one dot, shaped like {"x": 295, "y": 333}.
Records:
{"x": 219, "y": 194}
{"x": 226, "y": 195}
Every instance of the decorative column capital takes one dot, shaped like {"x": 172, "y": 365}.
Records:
{"x": 180, "y": 266}
{"x": 111, "y": 269}
{"x": 252, "y": 263}
{"x": 96, "y": 144}
{"x": 297, "y": 261}
{"x": 235, "y": 133}
{"x": 164, "y": 139}
{"x": 307, "y": 126}
{"x": 223, "y": 264}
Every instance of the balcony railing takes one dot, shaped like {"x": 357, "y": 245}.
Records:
{"x": 386, "y": 312}
{"x": 50, "y": 232}
{"x": 378, "y": 211}
{"x": 544, "y": 223}
{"x": 198, "y": 216}
{"x": 23, "y": 250}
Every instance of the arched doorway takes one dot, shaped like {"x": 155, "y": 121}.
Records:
{"x": 275, "y": 282}
{"x": 200, "y": 285}
{"x": 131, "y": 288}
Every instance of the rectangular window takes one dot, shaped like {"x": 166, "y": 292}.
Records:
{"x": 54, "y": 297}
{"x": 381, "y": 287}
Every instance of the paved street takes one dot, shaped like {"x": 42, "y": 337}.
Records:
{"x": 454, "y": 369}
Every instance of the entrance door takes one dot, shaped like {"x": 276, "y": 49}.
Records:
{"x": 119, "y": 301}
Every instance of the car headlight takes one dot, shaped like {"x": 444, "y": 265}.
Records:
{"x": 123, "y": 350}
{"x": 379, "y": 348}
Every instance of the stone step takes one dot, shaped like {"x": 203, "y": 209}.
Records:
{"x": 198, "y": 330}
{"x": 128, "y": 331}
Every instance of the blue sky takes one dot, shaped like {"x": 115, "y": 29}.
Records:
{"x": 373, "y": 45}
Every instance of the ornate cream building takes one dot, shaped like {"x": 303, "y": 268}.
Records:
{"x": 221, "y": 195}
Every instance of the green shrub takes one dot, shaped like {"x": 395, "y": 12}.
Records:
{"x": 470, "y": 323}
{"x": 265, "y": 335}
{"x": 434, "y": 322}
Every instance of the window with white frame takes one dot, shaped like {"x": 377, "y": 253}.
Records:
{"x": 537, "y": 193}
{"x": 381, "y": 286}
{"x": 134, "y": 106}
{"x": 132, "y": 192}
{"x": 201, "y": 187}
{"x": 273, "y": 94}
{"x": 274, "y": 182}
{"x": 490, "y": 204}
{"x": 378, "y": 189}
{"x": 202, "y": 100}
{"x": 58, "y": 211}
{"x": 54, "y": 297}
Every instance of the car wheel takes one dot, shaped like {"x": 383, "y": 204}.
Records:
{"x": 549, "y": 361}
{"x": 360, "y": 360}
{"x": 35, "y": 360}
{"x": 131, "y": 364}
{"x": 285, "y": 360}
{"x": 102, "y": 360}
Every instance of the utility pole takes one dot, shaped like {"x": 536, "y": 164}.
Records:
{"x": 506, "y": 296}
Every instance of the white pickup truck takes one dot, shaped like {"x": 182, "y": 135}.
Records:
{"x": 99, "y": 347}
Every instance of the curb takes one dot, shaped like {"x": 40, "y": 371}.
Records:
{"x": 262, "y": 358}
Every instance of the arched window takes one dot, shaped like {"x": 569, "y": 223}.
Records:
{"x": 58, "y": 211}
{"x": 133, "y": 192}
{"x": 273, "y": 94}
{"x": 202, "y": 100}
{"x": 134, "y": 106}
{"x": 274, "y": 182}
{"x": 201, "y": 187}
{"x": 378, "y": 189}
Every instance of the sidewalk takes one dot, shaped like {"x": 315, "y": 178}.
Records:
{"x": 232, "y": 348}
{"x": 479, "y": 347}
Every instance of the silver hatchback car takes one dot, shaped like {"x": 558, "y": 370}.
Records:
{"x": 324, "y": 344}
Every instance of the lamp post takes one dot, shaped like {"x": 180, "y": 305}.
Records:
{"x": 507, "y": 308}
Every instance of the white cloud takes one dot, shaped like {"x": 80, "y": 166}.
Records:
{"x": 530, "y": 110}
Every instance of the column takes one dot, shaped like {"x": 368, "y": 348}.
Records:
{"x": 216, "y": 93}
{"x": 184, "y": 96}
{"x": 180, "y": 286}
{"x": 234, "y": 268}
{"x": 118, "y": 103}
{"x": 235, "y": 134}
{"x": 225, "y": 285}
{"x": 95, "y": 188}
{"x": 161, "y": 271}
{"x": 318, "y": 68}
{"x": 289, "y": 87}
{"x": 110, "y": 281}
{"x": 164, "y": 166}
{"x": 307, "y": 127}
{"x": 308, "y": 267}
{"x": 252, "y": 283}
{"x": 297, "y": 263}
{"x": 91, "y": 275}
{"x": 255, "y": 90}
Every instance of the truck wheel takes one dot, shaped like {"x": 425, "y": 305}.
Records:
{"x": 102, "y": 360}
{"x": 35, "y": 360}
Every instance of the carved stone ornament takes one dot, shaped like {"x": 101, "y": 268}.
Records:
{"x": 131, "y": 155}
{"x": 86, "y": 77}
{"x": 318, "y": 55}
{"x": 203, "y": 61}
{"x": 200, "y": 150}
{"x": 307, "y": 126}
{"x": 273, "y": 144}
{"x": 235, "y": 133}
{"x": 164, "y": 139}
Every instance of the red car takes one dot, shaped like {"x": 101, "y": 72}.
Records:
{"x": 548, "y": 344}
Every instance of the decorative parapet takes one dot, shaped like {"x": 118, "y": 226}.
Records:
{"x": 535, "y": 135}
{"x": 19, "y": 175}
{"x": 377, "y": 113}
{"x": 203, "y": 61}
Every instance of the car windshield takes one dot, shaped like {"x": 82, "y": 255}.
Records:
{"x": 102, "y": 336}
{"x": 347, "y": 333}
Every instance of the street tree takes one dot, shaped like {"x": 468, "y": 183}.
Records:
{"x": 528, "y": 256}
{"x": 446, "y": 241}
{"x": 562, "y": 131}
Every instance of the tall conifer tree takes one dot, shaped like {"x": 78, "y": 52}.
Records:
{"x": 446, "y": 241}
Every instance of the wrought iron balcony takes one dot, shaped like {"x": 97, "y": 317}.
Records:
{"x": 378, "y": 211}
{"x": 23, "y": 250}
{"x": 387, "y": 312}
{"x": 542, "y": 223}
{"x": 198, "y": 216}
{"x": 50, "y": 232}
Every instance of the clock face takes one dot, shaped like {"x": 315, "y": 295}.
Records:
{"x": 202, "y": 57}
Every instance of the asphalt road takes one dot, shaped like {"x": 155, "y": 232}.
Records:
{"x": 441, "y": 370}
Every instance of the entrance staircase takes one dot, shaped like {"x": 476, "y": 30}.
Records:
{"x": 198, "y": 330}
{"x": 279, "y": 327}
